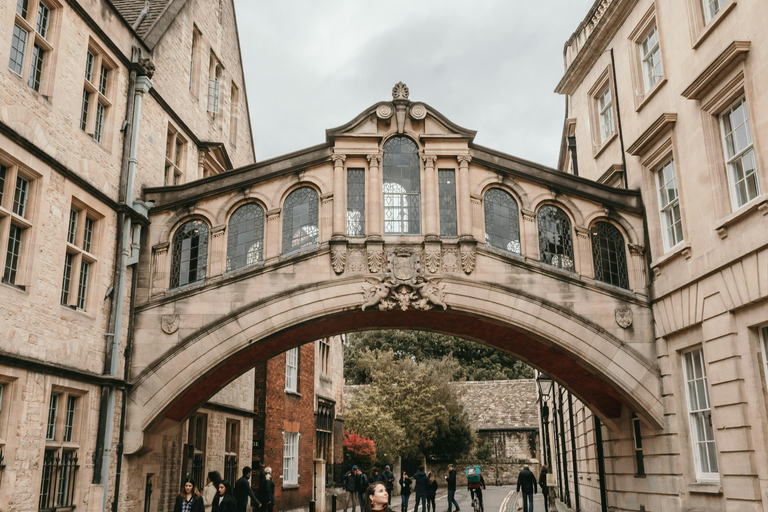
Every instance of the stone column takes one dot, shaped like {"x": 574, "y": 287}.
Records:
{"x": 465, "y": 209}
{"x": 529, "y": 236}
{"x": 432, "y": 214}
{"x": 639, "y": 275}
{"x": 218, "y": 252}
{"x": 376, "y": 227}
{"x": 272, "y": 242}
{"x": 582, "y": 252}
{"x": 339, "y": 226}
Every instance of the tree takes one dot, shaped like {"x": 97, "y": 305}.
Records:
{"x": 409, "y": 408}
{"x": 475, "y": 361}
{"x": 359, "y": 450}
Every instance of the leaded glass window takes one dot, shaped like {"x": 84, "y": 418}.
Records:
{"x": 555, "y": 241}
{"x": 18, "y": 47}
{"x": 356, "y": 202}
{"x": 609, "y": 256}
{"x": 300, "y": 214}
{"x": 36, "y": 67}
{"x": 190, "y": 253}
{"x": 402, "y": 187}
{"x": 446, "y": 179}
{"x": 245, "y": 237}
{"x": 502, "y": 221}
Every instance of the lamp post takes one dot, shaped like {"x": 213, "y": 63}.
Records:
{"x": 496, "y": 453}
{"x": 545, "y": 384}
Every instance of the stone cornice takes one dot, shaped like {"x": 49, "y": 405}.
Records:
{"x": 45, "y": 368}
{"x": 660, "y": 126}
{"x": 733, "y": 54}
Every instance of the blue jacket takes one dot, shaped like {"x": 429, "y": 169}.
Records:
{"x": 421, "y": 480}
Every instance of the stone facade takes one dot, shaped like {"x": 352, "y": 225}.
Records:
{"x": 707, "y": 275}
{"x": 62, "y": 383}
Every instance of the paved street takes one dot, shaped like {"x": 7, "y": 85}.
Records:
{"x": 494, "y": 499}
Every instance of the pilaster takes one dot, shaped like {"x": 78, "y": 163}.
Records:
{"x": 339, "y": 198}
{"x": 431, "y": 219}
{"x": 465, "y": 209}
{"x": 272, "y": 242}
{"x": 375, "y": 213}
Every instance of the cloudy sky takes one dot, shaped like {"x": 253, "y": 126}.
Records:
{"x": 487, "y": 65}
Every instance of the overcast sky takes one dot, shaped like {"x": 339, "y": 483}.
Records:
{"x": 487, "y": 65}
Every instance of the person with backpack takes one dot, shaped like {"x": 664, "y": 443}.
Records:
{"x": 475, "y": 484}
{"x": 362, "y": 485}
{"x": 350, "y": 486}
{"x": 451, "y": 482}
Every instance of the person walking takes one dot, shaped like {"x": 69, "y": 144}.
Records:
{"x": 421, "y": 479}
{"x": 543, "y": 485}
{"x": 451, "y": 482}
{"x": 527, "y": 482}
{"x": 224, "y": 501}
{"x": 476, "y": 489}
{"x": 243, "y": 491}
{"x": 405, "y": 492}
{"x": 362, "y": 485}
{"x": 350, "y": 486}
{"x": 211, "y": 489}
{"x": 267, "y": 490}
{"x": 431, "y": 492}
{"x": 376, "y": 498}
{"x": 389, "y": 482}
{"x": 376, "y": 477}
{"x": 189, "y": 499}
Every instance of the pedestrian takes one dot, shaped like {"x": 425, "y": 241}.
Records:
{"x": 243, "y": 491}
{"x": 421, "y": 479}
{"x": 189, "y": 499}
{"x": 211, "y": 489}
{"x": 451, "y": 482}
{"x": 431, "y": 492}
{"x": 362, "y": 485}
{"x": 405, "y": 492}
{"x": 476, "y": 488}
{"x": 225, "y": 500}
{"x": 527, "y": 482}
{"x": 267, "y": 490}
{"x": 376, "y": 498}
{"x": 376, "y": 477}
{"x": 544, "y": 487}
{"x": 350, "y": 486}
{"x": 389, "y": 482}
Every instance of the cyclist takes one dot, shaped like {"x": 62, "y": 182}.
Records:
{"x": 476, "y": 490}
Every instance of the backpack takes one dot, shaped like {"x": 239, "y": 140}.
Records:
{"x": 473, "y": 474}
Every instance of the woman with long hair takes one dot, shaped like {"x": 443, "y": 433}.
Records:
{"x": 224, "y": 500}
{"x": 405, "y": 492}
{"x": 189, "y": 499}
{"x": 376, "y": 498}
{"x": 431, "y": 492}
{"x": 211, "y": 489}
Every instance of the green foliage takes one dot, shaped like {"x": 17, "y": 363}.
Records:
{"x": 409, "y": 408}
{"x": 485, "y": 452}
{"x": 475, "y": 361}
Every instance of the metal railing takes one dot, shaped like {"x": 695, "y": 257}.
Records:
{"x": 58, "y": 485}
{"x": 230, "y": 469}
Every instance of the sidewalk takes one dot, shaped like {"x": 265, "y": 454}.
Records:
{"x": 513, "y": 501}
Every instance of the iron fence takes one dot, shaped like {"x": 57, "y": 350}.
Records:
{"x": 58, "y": 486}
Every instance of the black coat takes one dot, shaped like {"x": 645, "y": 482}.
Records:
{"x": 226, "y": 503}
{"x": 350, "y": 482}
{"x": 389, "y": 480}
{"x": 242, "y": 492}
{"x": 197, "y": 504}
{"x": 543, "y": 482}
{"x": 405, "y": 486}
{"x": 432, "y": 489}
{"x": 451, "y": 479}
{"x": 266, "y": 490}
{"x": 527, "y": 481}
{"x": 421, "y": 480}
{"x": 362, "y": 482}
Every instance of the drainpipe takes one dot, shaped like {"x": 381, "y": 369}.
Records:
{"x": 573, "y": 452}
{"x": 618, "y": 118}
{"x": 562, "y": 447}
{"x": 600, "y": 464}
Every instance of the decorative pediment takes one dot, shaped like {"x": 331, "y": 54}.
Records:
{"x": 400, "y": 115}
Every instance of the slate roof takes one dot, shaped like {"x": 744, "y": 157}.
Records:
{"x": 130, "y": 10}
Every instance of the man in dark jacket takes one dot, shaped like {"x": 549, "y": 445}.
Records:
{"x": 389, "y": 482}
{"x": 527, "y": 482}
{"x": 362, "y": 485}
{"x": 243, "y": 491}
{"x": 350, "y": 485}
{"x": 451, "y": 480}
{"x": 421, "y": 479}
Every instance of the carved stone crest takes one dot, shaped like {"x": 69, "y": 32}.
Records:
{"x": 400, "y": 91}
{"x": 432, "y": 258}
{"x": 338, "y": 257}
{"x": 404, "y": 285}
{"x": 169, "y": 323}
{"x": 375, "y": 258}
{"x": 356, "y": 261}
{"x": 451, "y": 260}
{"x": 623, "y": 317}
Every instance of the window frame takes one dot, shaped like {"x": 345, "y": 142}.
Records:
{"x": 42, "y": 40}
{"x": 81, "y": 252}
{"x": 567, "y": 236}
{"x": 446, "y": 203}
{"x": 175, "y": 166}
{"x": 310, "y": 240}
{"x": 663, "y": 209}
{"x": 96, "y": 105}
{"x": 23, "y": 224}
{"x": 292, "y": 370}
{"x": 512, "y": 218}
{"x": 408, "y": 200}
{"x": 231, "y": 449}
{"x": 355, "y": 202}
{"x": 637, "y": 444}
{"x": 198, "y": 422}
{"x": 601, "y": 85}
{"x": 290, "y": 474}
{"x": 620, "y": 258}
{"x": 201, "y": 268}
{"x": 740, "y": 154}
{"x": 701, "y": 475}
{"x": 234, "y": 237}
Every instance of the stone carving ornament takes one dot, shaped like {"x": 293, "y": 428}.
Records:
{"x": 375, "y": 258}
{"x": 623, "y": 317}
{"x": 432, "y": 258}
{"x": 468, "y": 256}
{"x": 356, "y": 261}
{"x": 418, "y": 111}
{"x": 400, "y": 91}
{"x": 385, "y": 111}
{"x": 404, "y": 285}
{"x": 169, "y": 323}
{"x": 451, "y": 260}
{"x": 338, "y": 257}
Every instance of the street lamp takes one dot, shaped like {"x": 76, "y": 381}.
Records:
{"x": 496, "y": 453}
{"x": 545, "y": 384}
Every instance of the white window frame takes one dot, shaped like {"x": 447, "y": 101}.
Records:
{"x": 738, "y": 154}
{"x": 699, "y": 413}
{"x": 605, "y": 113}
{"x": 290, "y": 458}
{"x": 292, "y": 370}
{"x": 708, "y": 5}
{"x": 651, "y": 58}
{"x": 668, "y": 208}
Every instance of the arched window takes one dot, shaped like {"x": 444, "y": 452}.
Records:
{"x": 190, "y": 253}
{"x": 502, "y": 222}
{"x": 402, "y": 187}
{"x": 245, "y": 237}
{"x": 555, "y": 242}
{"x": 609, "y": 255}
{"x": 300, "y": 220}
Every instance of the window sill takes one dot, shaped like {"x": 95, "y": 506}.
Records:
{"x": 74, "y": 311}
{"x": 759, "y": 203}
{"x": 17, "y": 287}
{"x": 607, "y": 142}
{"x": 683, "y": 248}
{"x": 294, "y": 393}
{"x": 713, "y": 487}
{"x": 650, "y": 94}
{"x": 288, "y": 487}
{"x": 709, "y": 27}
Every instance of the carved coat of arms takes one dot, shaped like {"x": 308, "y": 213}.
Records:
{"x": 169, "y": 323}
{"x": 623, "y": 317}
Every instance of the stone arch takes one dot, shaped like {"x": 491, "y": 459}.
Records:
{"x": 292, "y": 184}
{"x": 182, "y": 216}
{"x": 233, "y": 203}
{"x": 509, "y": 186}
{"x": 617, "y": 220}
{"x": 601, "y": 370}
{"x": 406, "y": 133}
{"x": 562, "y": 202}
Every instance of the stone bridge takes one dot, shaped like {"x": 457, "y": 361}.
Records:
{"x": 398, "y": 220}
